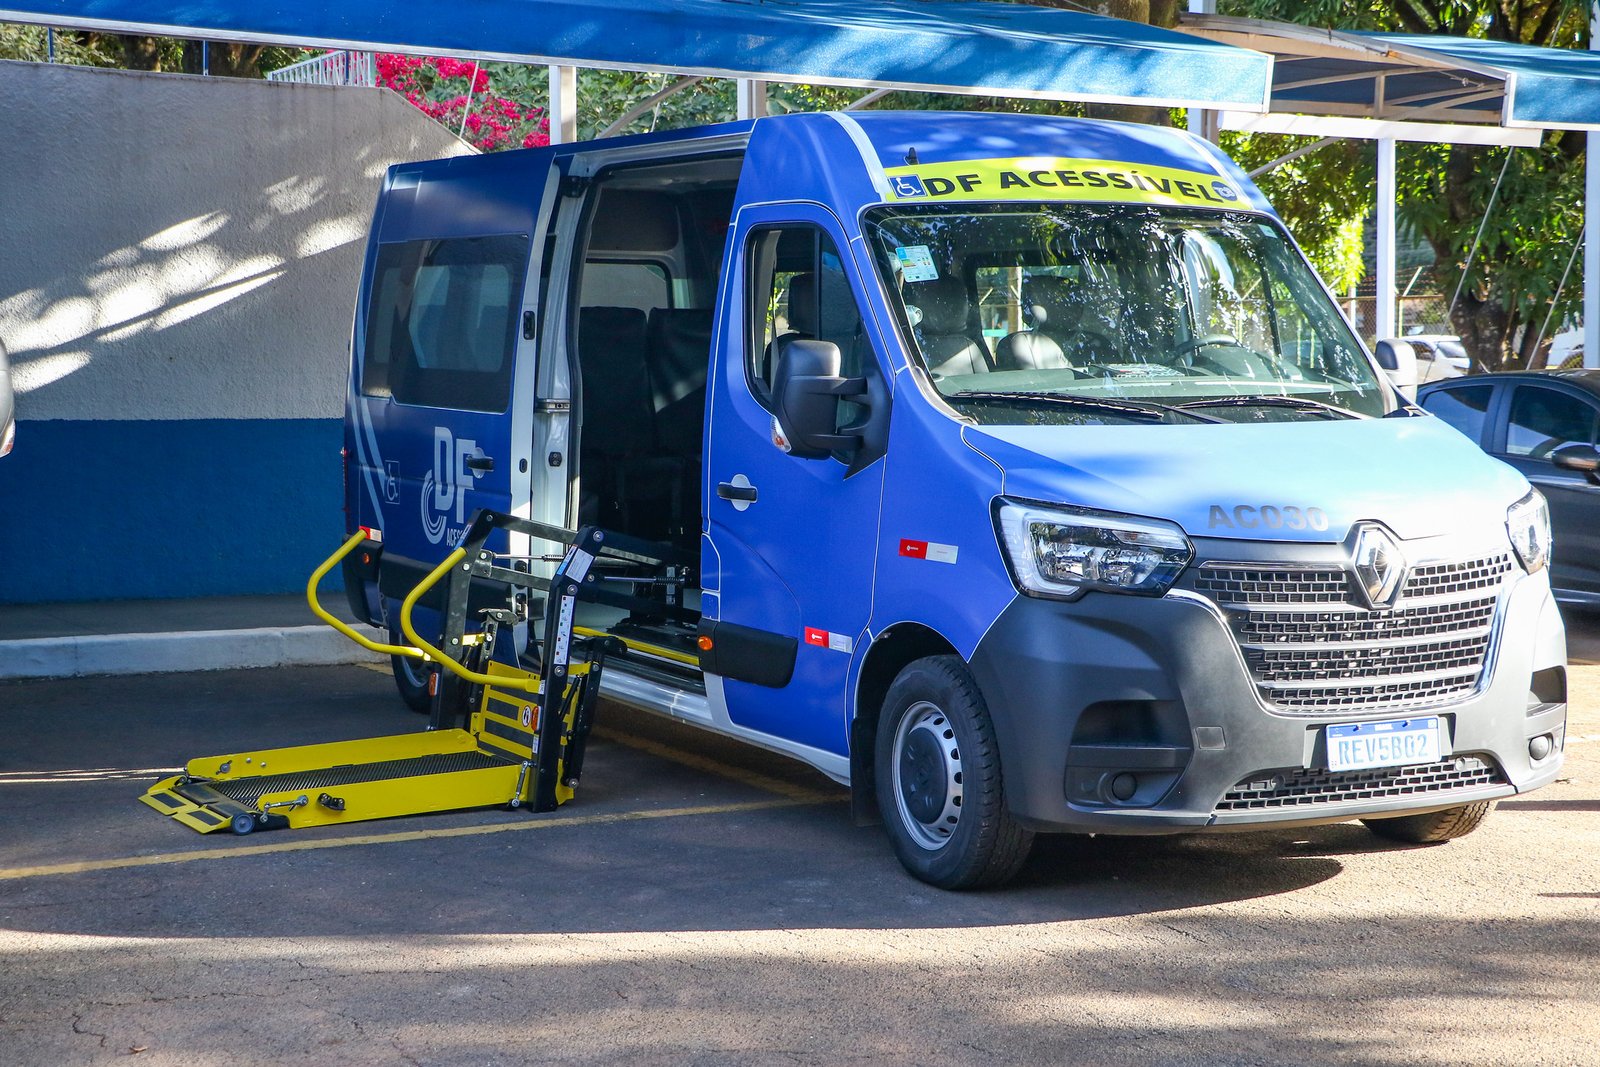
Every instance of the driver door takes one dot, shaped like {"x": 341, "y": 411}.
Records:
{"x": 790, "y": 550}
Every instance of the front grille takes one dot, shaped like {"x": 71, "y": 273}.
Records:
{"x": 1359, "y": 624}
{"x": 1289, "y": 585}
{"x": 1452, "y": 579}
{"x": 1311, "y": 646}
{"x": 1299, "y": 788}
{"x": 1370, "y": 661}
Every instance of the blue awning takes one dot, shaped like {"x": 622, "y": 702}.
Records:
{"x": 1550, "y": 87}
{"x": 956, "y": 46}
{"x": 1417, "y": 77}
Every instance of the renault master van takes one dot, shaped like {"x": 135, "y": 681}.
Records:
{"x": 1023, "y": 474}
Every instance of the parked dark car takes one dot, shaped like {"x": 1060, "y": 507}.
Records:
{"x": 1545, "y": 424}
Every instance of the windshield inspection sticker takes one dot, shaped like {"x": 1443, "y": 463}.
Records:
{"x": 1055, "y": 178}
{"x": 916, "y": 263}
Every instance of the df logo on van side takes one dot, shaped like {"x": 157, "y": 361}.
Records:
{"x": 1267, "y": 517}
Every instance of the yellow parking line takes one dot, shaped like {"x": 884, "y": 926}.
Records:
{"x": 245, "y": 851}
{"x": 791, "y": 796}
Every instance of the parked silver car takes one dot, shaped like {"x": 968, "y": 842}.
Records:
{"x": 1547, "y": 425}
{"x": 1439, "y": 356}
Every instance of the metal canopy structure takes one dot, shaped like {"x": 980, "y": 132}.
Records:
{"x": 1545, "y": 88}
{"x": 1391, "y": 87}
{"x": 955, "y": 46}
{"x": 1514, "y": 92}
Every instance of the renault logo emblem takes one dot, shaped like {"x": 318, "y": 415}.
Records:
{"x": 1380, "y": 569}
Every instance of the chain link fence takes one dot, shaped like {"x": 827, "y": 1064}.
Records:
{"x": 1425, "y": 314}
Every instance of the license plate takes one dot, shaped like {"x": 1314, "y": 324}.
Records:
{"x": 1398, "y": 743}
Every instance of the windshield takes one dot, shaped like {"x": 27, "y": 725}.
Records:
{"x": 1216, "y": 315}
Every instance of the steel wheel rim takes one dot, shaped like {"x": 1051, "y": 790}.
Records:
{"x": 411, "y": 670}
{"x": 926, "y": 764}
{"x": 414, "y": 677}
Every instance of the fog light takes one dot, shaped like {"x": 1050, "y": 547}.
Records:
{"x": 1123, "y": 786}
{"x": 1541, "y": 746}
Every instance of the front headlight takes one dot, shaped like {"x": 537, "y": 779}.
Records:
{"x": 1528, "y": 526}
{"x": 1063, "y": 552}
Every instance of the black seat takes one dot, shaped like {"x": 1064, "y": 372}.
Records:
{"x": 678, "y": 355}
{"x": 617, "y": 439}
{"x": 616, "y": 387}
{"x": 801, "y": 318}
{"x": 1037, "y": 348}
{"x": 1061, "y": 336}
{"x": 942, "y": 333}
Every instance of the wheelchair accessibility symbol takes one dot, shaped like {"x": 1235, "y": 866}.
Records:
{"x": 905, "y": 185}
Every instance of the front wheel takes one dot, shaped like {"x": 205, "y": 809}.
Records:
{"x": 411, "y": 676}
{"x": 1433, "y": 827}
{"x": 938, "y": 780}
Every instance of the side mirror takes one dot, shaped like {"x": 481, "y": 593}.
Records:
{"x": 1399, "y": 362}
{"x": 1585, "y": 459}
{"x": 806, "y": 387}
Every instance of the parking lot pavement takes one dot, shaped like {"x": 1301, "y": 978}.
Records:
{"x": 702, "y": 902}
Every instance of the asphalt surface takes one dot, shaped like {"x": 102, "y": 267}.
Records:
{"x": 701, "y": 902}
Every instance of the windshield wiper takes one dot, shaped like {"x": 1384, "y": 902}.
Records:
{"x": 1273, "y": 400}
{"x": 1143, "y": 410}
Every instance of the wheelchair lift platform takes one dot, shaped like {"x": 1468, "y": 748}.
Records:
{"x": 499, "y": 736}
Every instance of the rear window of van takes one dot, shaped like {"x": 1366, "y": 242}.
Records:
{"x": 441, "y": 324}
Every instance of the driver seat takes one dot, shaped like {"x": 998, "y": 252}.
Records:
{"x": 942, "y": 334}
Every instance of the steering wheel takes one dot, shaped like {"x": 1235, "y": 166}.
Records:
{"x": 1088, "y": 348}
{"x": 1195, "y": 344}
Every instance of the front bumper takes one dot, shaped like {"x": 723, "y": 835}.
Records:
{"x": 1157, "y": 691}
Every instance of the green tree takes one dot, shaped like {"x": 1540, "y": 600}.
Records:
{"x": 1445, "y": 190}
{"x": 129, "y": 52}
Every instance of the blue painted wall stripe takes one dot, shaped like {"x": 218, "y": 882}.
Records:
{"x": 133, "y": 510}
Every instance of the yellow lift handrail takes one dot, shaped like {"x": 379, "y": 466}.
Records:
{"x": 339, "y": 624}
{"x": 531, "y": 685}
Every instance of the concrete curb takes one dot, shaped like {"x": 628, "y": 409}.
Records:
{"x": 195, "y": 650}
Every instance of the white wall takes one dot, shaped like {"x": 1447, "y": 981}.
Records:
{"x": 179, "y": 259}
{"x": 180, "y": 247}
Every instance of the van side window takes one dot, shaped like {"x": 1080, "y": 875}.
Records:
{"x": 442, "y": 322}
{"x": 798, "y": 290}
{"x": 641, "y": 285}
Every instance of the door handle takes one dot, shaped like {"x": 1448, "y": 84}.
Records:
{"x": 729, "y": 491}
{"x": 482, "y": 464}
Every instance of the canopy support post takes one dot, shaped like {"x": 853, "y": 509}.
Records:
{"x": 1203, "y": 121}
{"x": 1383, "y": 310}
{"x": 752, "y": 99}
{"x": 563, "y": 104}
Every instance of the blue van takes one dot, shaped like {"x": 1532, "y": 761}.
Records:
{"x": 1028, "y": 478}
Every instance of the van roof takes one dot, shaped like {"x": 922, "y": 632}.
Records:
{"x": 1004, "y": 157}
{"x": 950, "y": 136}
{"x": 924, "y": 155}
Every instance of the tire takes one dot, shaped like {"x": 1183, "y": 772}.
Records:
{"x": 410, "y": 676}
{"x": 939, "y": 786}
{"x": 1433, "y": 828}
